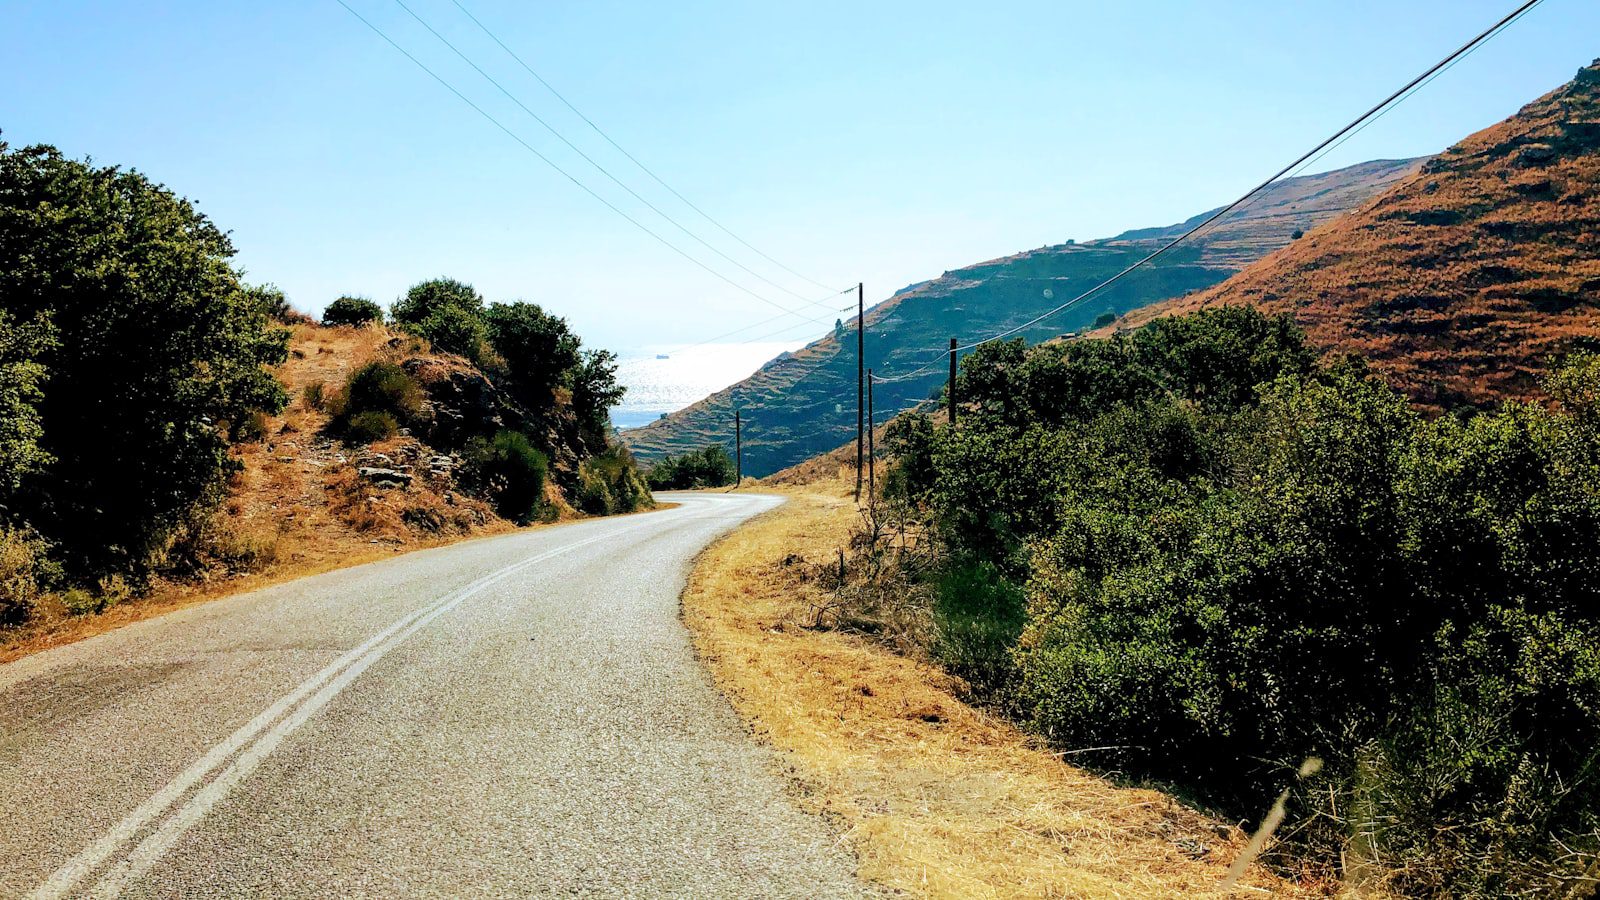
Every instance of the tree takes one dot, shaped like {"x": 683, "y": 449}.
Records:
{"x": 710, "y": 466}
{"x": 511, "y": 471}
{"x": 21, "y": 388}
{"x": 157, "y": 345}
{"x": 540, "y": 351}
{"x": 448, "y": 313}
{"x": 425, "y": 298}
{"x": 594, "y": 391}
{"x": 356, "y": 311}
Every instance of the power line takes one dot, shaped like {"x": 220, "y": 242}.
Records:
{"x": 1390, "y": 108}
{"x": 590, "y": 160}
{"x": 563, "y": 172}
{"x": 737, "y": 331}
{"x": 1325, "y": 146}
{"x": 642, "y": 167}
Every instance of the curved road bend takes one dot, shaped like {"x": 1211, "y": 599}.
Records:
{"x": 518, "y": 715}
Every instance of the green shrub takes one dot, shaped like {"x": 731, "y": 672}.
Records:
{"x": 80, "y": 602}
{"x": 594, "y": 493}
{"x": 1104, "y": 319}
{"x": 155, "y": 341}
{"x": 449, "y": 314}
{"x": 1236, "y": 558}
{"x": 251, "y": 429}
{"x": 541, "y": 353}
{"x": 909, "y": 441}
{"x": 376, "y": 400}
{"x": 369, "y": 426}
{"x": 977, "y": 617}
{"x": 22, "y": 379}
{"x": 510, "y": 472}
{"x": 384, "y": 387}
{"x": 353, "y": 311}
{"x": 611, "y": 483}
{"x": 710, "y": 466}
{"x": 108, "y": 592}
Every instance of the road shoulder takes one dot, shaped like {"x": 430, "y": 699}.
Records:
{"x": 935, "y": 797}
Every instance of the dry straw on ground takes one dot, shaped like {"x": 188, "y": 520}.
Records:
{"x": 937, "y": 798}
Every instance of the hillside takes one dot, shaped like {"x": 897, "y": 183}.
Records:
{"x": 803, "y": 403}
{"x": 1461, "y": 282}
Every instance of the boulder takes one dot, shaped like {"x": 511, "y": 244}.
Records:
{"x": 384, "y": 476}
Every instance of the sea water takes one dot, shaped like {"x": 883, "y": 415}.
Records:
{"x": 664, "y": 379}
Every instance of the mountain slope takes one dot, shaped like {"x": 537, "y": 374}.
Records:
{"x": 803, "y": 403}
{"x": 1461, "y": 282}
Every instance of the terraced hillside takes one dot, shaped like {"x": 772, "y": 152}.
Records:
{"x": 803, "y": 403}
{"x": 1461, "y": 282}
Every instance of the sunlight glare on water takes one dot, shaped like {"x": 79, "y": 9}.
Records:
{"x": 657, "y": 386}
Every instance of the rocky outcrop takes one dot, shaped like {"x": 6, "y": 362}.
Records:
{"x": 461, "y": 402}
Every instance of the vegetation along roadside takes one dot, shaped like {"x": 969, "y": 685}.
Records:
{"x": 936, "y": 797}
{"x": 1200, "y": 555}
{"x": 169, "y": 432}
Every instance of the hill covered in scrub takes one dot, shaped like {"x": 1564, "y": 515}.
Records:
{"x": 163, "y": 424}
{"x": 803, "y": 403}
{"x": 1461, "y": 282}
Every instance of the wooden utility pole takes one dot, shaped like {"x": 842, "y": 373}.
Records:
{"x": 738, "y": 449}
{"x": 861, "y": 379}
{"x": 951, "y": 388}
{"x": 872, "y": 456}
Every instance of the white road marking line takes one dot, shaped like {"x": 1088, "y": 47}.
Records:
{"x": 330, "y": 680}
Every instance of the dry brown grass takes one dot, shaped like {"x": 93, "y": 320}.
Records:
{"x": 1461, "y": 282}
{"x": 937, "y": 798}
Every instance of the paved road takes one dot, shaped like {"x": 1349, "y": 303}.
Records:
{"x": 520, "y": 715}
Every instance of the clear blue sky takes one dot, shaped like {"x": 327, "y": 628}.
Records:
{"x": 878, "y": 141}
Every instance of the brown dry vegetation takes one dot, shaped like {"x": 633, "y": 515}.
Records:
{"x": 937, "y": 798}
{"x": 1461, "y": 282}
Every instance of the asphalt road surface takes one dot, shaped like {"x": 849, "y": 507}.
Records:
{"x": 513, "y": 716}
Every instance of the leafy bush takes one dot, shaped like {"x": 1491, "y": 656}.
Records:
{"x": 154, "y": 340}
{"x": 370, "y": 425}
{"x": 594, "y": 392}
{"x": 251, "y": 429}
{"x": 277, "y": 305}
{"x": 539, "y": 350}
{"x": 374, "y": 402}
{"x": 710, "y": 466}
{"x": 611, "y": 483}
{"x": 22, "y": 380}
{"x": 594, "y": 493}
{"x": 1235, "y": 558}
{"x": 977, "y": 617}
{"x": 510, "y": 472}
{"x": 449, "y": 314}
{"x": 354, "y": 311}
